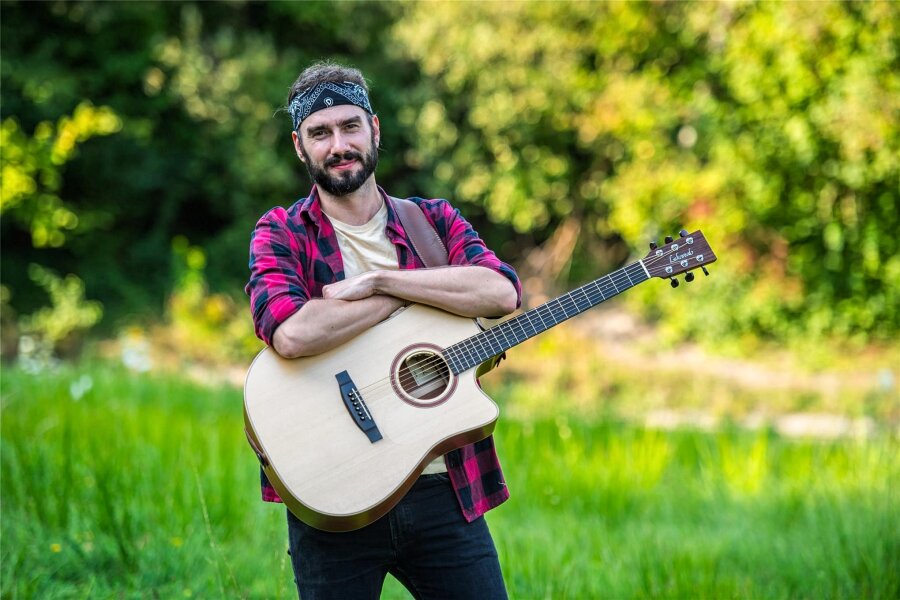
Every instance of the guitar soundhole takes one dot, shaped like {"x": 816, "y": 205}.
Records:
{"x": 422, "y": 378}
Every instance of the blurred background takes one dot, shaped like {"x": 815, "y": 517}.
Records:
{"x": 734, "y": 437}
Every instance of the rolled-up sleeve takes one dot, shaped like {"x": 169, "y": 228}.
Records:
{"x": 276, "y": 286}
{"x": 464, "y": 246}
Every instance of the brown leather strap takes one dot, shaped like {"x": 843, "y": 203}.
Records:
{"x": 425, "y": 240}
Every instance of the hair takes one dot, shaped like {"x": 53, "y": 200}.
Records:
{"x": 325, "y": 71}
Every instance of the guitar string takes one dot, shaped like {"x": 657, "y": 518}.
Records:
{"x": 435, "y": 365}
{"x": 620, "y": 278}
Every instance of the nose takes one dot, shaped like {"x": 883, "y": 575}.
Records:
{"x": 339, "y": 143}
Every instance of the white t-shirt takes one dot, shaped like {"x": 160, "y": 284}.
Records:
{"x": 367, "y": 248}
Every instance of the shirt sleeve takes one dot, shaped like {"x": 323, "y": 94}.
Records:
{"x": 464, "y": 246}
{"x": 276, "y": 288}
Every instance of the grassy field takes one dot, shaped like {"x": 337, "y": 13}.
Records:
{"x": 122, "y": 485}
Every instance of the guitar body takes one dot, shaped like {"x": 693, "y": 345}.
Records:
{"x": 328, "y": 471}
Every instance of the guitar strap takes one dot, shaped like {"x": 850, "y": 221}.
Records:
{"x": 425, "y": 240}
{"x": 428, "y": 245}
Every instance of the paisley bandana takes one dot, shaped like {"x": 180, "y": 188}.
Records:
{"x": 326, "y": 95}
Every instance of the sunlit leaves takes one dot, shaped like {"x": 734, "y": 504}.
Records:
{"x": 31, "y": 170}
{"x": 68, "y": 312}
{"x": 772, "y": 125}
{"x": 212, "y": 73}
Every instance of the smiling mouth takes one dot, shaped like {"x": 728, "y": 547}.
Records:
{"x": 343, "y": 166}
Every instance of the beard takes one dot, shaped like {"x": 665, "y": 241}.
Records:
{"x": 343, "y": 183}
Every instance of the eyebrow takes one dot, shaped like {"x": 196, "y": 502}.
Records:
{"x": 327, "y": 126}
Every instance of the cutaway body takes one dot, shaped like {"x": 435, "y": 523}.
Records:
{"x": 326, "y": 469}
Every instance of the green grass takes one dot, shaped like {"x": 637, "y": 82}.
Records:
{"x": 144, "y": 487}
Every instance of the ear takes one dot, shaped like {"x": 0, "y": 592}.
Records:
{"x": 298, "y": 148}
{"x": 376, "y": 129}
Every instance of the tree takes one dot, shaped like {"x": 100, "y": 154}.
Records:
{"x": 201, "y": 150}
{"x": 772, "y": 125}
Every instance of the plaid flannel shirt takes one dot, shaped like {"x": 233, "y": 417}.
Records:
{"x": 294, "y": 253}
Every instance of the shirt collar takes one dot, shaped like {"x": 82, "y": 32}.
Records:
{"x": 313, "y": 207}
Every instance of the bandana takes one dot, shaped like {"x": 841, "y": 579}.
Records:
{"x": 326, "y": 95}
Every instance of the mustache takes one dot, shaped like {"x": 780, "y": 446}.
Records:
{"x": 338, "y": 158}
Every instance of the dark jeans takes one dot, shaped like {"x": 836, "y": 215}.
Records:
{"x": 424, "y": 542}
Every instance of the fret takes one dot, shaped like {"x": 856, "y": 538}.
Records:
{"x": 480, "y": 340}
{"x": 583, "y": 290}
{"x": 604, "y": 289}
{"x": 518, "y": 321}
{"x": 545, "y": 311}
{"x": 586, "y": 298}
{"x": 638, "y": 273}
{"x": 474, "y": 344}
{"x": 561, "y": 301}
{"x": 493, "y": 341}
{"x": 644, "y": 267}
{"x": 505, "y": 337}
{"x": 524, "y": 322}
{"x": 497, "y": 332}
{"x": 531, "y": 323}
{"x": 452, "y": 363}
{"x": 576, "y": 309}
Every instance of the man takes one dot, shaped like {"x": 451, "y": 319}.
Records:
{"x": 331, "y": 266}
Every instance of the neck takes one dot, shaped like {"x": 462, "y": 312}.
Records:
{"x": 491, "y": 342}
{"x": 356, "y": 208}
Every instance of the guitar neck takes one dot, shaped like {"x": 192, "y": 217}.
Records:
{"x": 480, "y": 347}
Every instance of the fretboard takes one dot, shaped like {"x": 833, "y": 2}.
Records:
{"x": 480, "y": 347}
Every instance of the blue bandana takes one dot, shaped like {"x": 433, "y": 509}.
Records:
{"x": 326, "y": 95}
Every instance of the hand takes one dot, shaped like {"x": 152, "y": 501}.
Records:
{"x": 355, "y": 288}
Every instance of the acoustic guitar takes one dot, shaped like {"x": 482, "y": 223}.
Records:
{"x": 343, "y": 435}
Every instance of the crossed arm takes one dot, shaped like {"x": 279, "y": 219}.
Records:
{"x": 351, "y": 306}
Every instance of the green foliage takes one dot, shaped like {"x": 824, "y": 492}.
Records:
{"x": 58, "y": 328}
{"x": 201, "y": 152}
{"x": 31, "y": 168}
{"x": 161, "y": 498}
{"x": 580, "y": 128}
{"x": 202, "y": 326}
{"x": 772, "y": 126}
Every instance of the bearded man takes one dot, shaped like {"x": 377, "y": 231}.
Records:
{"x": 334, "y": 264}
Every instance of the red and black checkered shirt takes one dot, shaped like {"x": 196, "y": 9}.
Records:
{"x": 294, "y": 253}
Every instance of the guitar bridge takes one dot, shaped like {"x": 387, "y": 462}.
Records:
{"x": 357, "y": 408}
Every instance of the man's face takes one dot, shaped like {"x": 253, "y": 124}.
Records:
{"x": 339, "y": 148}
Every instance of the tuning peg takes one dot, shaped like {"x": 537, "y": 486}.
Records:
{"x": 669, "y": 239}
{"x": 689, "y": 277}
{"x": 683, "y": 233}
{"x": 653, "y": 245}
{"x": 705, "y": 272}
{"x": 673, "y": 282}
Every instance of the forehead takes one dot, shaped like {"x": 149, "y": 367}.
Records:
{"x": 333, "y": 116}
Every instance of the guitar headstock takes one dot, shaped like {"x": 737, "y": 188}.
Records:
{"x": 690, "y": 251}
